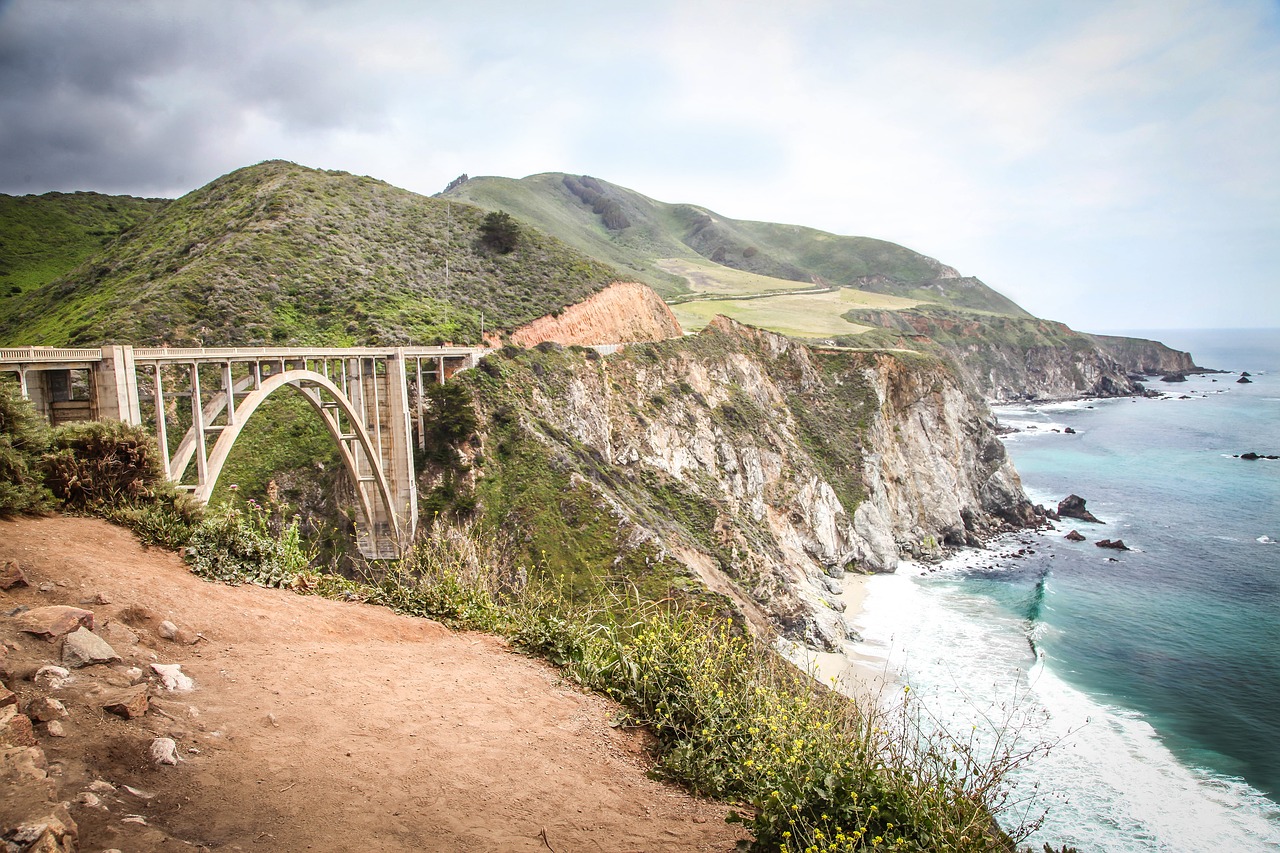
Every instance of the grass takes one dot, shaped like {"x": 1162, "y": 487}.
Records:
{"x": 800, "y": 315}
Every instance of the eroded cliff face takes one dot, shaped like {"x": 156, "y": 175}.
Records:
{"x": 761, "y": 466}
{"x": 1022, "y": 358}
{"x": 1150, "y": 358}
{"x": 624, "y": 312}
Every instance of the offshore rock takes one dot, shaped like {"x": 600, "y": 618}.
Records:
{"x": 1115, "y": 545}
{"x": 1072, "y": 506}
{"x": 1074, "y": 536}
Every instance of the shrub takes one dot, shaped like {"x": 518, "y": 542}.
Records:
{"x": 98, "y": 463}
{"x": 248, "y": 545}
{"x": 23, "y": 438}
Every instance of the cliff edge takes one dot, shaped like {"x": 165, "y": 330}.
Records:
{"x": 624, "y": 312}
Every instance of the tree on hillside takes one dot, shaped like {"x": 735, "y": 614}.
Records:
{"x": 500, "y": 232}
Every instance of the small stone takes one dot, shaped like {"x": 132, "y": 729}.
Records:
{"x": 129, "y": 703}
{"x": 167, "y": 630}
{"x": 135, "y": 818}
{"x": 164, "y": 750}
{"x": 11, "y": 575}
{"x": 134, "y": 674}
{"x": 54, "y": 621}
{"x": 7, "y": 696}
{"x": 85, "y": 648}
{"x": 46, "y": 708}
{"x": 55, "y": 729}
{"x": 90, "y": 799}
{"x": 48, "y": 586}
{"x": 171, "y": 677}
{"x": 51, "y": 677}
{"x": 102, "y": 786}
{"x": 137, "y": 792}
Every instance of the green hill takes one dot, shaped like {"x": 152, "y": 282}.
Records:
{"x": 45, "y": 236}
{"x": 278, "y": 253}
{"x": 642, "y": 237}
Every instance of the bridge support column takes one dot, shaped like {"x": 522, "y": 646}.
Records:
{"x": 115, "y": 387}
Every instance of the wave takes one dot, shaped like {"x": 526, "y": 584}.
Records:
{"x": 1117, "y": 786}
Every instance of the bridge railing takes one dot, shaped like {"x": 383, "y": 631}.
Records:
{"x": 40, "y": 354}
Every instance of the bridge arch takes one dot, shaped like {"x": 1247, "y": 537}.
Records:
{"x": 310, "y": 384}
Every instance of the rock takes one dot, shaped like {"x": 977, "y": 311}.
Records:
{"x": 82, "y": 647}
{"x": 54, "y": 621}
{"x": 1173, "y": 377}
{"x": 46, "y": 708}
{"x": 164, "y": 750}
{"x": 102, "y": 786}
{"x": 11, "y": 575}
{"x": 117, "y": 635}
{"x": 128, "y": 703}
{"x": 1244, "y": 379}
{"x": 89, "y": 799}
{"x": 54, "y": 728}
{"x": 167, "y": 630}
{"x": 17, "y": 731}
{"x": 1072, "y": 506}
{"x": 1250, "y": 456}
{"x": 171, "y": 676}
{"x": 7, "y": 696}
{"x": 51, "y": 677}
{"x": 1117, "y": 544}
{"x": 1069, "y": 430}
{"x": 1074, "y": 536}
{"x": 48, "y": 586}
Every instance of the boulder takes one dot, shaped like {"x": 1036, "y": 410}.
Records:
{"x": 1243, "y": 380}
{"x": 1072, "y": 506}
{"x": 1173, "y": 377}
{"x": 7, "y": 696}
{"x": 16, "y": 731}
{"x": 82, "y": 647}
{"x": 1074, "y": 536}
{"x": 51, "y": 677}
{"x": 1069, "y": 431}
{"x": 42, "y": 709}
{"x": 50, "y": 623}
{"x": 1116, "y": 545}
{"x": 128, "y": 703}
{"x": 1250, "y": 456}
{"x": 11, "y": 575}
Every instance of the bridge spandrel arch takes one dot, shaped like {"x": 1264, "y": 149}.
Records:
{"x": 357, "y": 448}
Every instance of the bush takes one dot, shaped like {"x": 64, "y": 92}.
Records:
{"x": 97, "y": 463}
{"x": 23, "y": 438}
{"x": 249, "y": 545}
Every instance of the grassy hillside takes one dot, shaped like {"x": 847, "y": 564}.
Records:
{"x": 278, "y": 253}
{"x": 43, "y": 237}
{"x": 640, "y": 236}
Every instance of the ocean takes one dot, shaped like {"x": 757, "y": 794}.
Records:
{"x": 1154, "y": 671}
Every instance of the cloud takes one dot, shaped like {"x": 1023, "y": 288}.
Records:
{"x": 1108, "y": 136}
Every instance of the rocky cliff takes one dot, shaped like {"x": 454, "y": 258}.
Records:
{"x": 1150, "y": 358}
{"x": 624, "y": 312}
{"x": 761, "y": 467}
{"x": 1010, "y": 358}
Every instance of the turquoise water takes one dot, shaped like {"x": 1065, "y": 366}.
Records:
{"x": 1158, "y": 669}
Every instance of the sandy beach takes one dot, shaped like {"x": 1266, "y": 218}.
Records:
{"x": 854, "y": 674}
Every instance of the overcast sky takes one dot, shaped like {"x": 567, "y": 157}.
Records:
{"x": 1108, "y": 164}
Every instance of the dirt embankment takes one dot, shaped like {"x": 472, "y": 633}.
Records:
{"x": 625, "y": 312}
{"x": 312, "y": 725}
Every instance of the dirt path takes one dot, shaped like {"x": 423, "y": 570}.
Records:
{"x": 326, "y": 726}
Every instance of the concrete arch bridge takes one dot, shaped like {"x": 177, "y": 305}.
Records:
{"x": 362, "y": 394}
